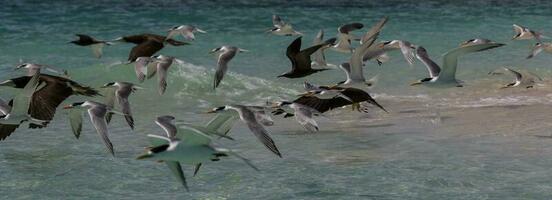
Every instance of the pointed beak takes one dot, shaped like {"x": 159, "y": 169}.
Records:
{"x": 244, "y": 50}
{"x": 119, "y": 39}
{"x": 201, "y": 31}
{"x": 415, "y": 83}
{"x": 68, "y": 107}
{"x": 143, "y": 156}
{"x": 275, "y": 105}
{"x": 211, "y": 111}
{"x": 306, "y": 94}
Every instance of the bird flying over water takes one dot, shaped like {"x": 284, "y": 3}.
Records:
{"x": 524, "y": 33}
{"x": 251, "y": 119}
{"x": 353, "y": 69}
{"x": 147, "y": 44}
{"x": 52, "y": 91}
{"x": 188, "y": 145}
{"x": 303, "y": 114}
{"x": 97, "y": 112}
{"x": 526, "y": 80}
{"x": 319, "y": 59}
{"x": 17, "y": 110}
{"x": 225, "y": 54}
{"x": 345, "y": 37}
{"x": 281, "y": 27}
{"x": 95, "y": 45}
{"x": 300, "y": 60}
{"x": 186, "y": 31}
{"x": 120, "y": 91}
{"x": 161, "y": 68}
{"x": 33, "y": 68}
{"x": 407, "y": 50}
{"x": 539, "y": 47}
{"x": 348, "y": 96}
{"x": 445, "y": 76}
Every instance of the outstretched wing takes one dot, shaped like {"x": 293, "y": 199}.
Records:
{"x": 450, "y": 59}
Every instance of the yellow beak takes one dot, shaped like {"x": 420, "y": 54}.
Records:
{"x": 415, "y": 83}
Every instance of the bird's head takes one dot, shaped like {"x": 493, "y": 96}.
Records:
{"x": 467, "y": 42}
{"x": 390, "y": 43}
{"x": 174, "y": 28}
{"x": 279, "y": 104}
{"x": 111, "y": 84}
{"x": 165, "y": 118}
{"x": 24, "y": 65}
{"x": 217, "y": 109}
{"x": 215, "y": 50}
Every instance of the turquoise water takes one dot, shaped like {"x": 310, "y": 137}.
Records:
{"x": 375, "y": 156}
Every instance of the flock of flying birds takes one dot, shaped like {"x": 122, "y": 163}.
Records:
{"x": 44, "y": 88}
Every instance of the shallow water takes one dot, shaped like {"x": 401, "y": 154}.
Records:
{"x": 475, "y": 142}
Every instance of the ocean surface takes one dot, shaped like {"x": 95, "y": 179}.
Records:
{"x": 474, "y": 142}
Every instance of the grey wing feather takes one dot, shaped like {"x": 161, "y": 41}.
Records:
{"x": 374, "y": 30}
{"x": 431, "y": 66}
{"x": 450, "y": 59}
{"x": 222, "y": 62}
{"x": 151, "y": 69}
{"x": 22, "y": 101}
{"x": 75, "y": 119}
{"x": 109, "y": 101}
{"x": 261, "y": 134}
{"x": 4, "y": 107}
{"x": 125, "y": 108}
{"x": 304, "y": 115}
{"x": 169, "y": 127}
{"x": 101, "y": 127}
{"x": 162, "y": 78}
{"x": 536, "y": 50}
{"x": 177, "y": 171}
{"x": 516, "y": 74}
{"x": 139, "y": 69}
{"x": 406, "y": 50}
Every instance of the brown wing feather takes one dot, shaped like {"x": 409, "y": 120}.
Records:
{"x": 6, "y": 130}
{"x": 145, "y": 49}
{"x": 322, "y": 105}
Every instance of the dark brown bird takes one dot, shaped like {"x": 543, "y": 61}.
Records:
{"x": 96, "y": 45}
{"x": 51, "y": 92}
{"x": 300, "y": 60}
{"x": 147, "y": 44}
{"x": 323, "y": 105}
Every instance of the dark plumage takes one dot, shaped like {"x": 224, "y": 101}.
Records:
{"x": 148, "y": 44}
{"x": 52, "y": 91}
{"x": 324, "y": 105}
{"x": 86, "y": 40}
{"x": 300, "y": 60}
